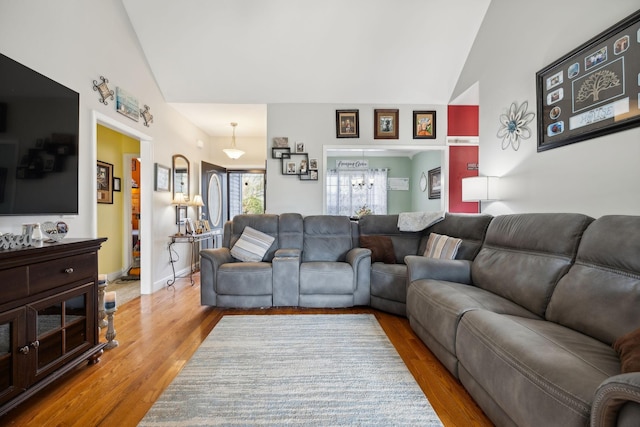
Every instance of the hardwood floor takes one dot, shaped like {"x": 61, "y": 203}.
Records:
{"x": 158, "y": 334}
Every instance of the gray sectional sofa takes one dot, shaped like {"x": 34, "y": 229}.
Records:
{"x": 528, "y": 325}
{"x": 524, "y": 317}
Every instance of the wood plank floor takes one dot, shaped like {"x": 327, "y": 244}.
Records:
{"x": 159, "y": 333}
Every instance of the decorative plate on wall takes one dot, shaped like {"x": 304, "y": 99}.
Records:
{"x": 423, "y": 182}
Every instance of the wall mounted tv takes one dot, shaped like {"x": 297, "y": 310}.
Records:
{"x": 38, "y": 143}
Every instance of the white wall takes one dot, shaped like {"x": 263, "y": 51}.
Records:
{"x": 315, "y": 125}
{"x": 74, "y": 43}
{"x": 517, "y": 38}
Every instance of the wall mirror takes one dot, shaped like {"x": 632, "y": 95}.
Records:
{"x": 181, "y": 176}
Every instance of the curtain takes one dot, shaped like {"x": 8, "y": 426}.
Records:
{"x": 344, "y": 198}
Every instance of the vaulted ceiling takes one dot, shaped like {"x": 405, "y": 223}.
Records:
{"x": 218, "y": 61}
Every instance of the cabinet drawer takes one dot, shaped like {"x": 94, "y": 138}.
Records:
{"x": 13, "y": 284}
{"x": 51, "y": 274}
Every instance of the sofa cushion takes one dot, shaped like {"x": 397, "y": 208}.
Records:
{"x": 326, "y": 278}
{"x": 628, "y": 348}
{"x": 524, "y": 256}
{"x": 541, "y": 373}
{"x": 381, "y": 248}
{"x": 389, "y": 281}
{"x": 245, "y": 278}
{"x": 404, "y": 242}
{"x": 442, "y": 247}
{"x": 437, "y": 306}
{"x": 252, "y": 245}
{"x": 326, "y": 238}
{"x": 600, "y": 294}
{"x": 471, "y": 228}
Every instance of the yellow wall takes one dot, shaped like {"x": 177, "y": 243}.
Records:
{"x": 111, "y": 222}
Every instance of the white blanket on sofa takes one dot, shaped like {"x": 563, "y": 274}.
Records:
{"x": 418, "y": 221}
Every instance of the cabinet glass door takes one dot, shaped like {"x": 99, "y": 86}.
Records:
{"x": 63, "y": 327}
{"x": 12, "y": 362}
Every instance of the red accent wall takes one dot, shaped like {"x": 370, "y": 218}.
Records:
{"x": 462, "y": 120}
{"x": 459, "y": 160}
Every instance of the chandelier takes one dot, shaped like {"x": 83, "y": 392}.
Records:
{"x": 233, "y": 152}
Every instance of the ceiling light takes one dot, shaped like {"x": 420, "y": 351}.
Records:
{"x": 233, "y": 152}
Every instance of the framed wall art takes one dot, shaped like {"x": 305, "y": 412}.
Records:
{"x": 117, "y": 184}
{"x": 592, "y": 91}
{"x": 424, "y": 125}
{"x": 347, "y": 124}
{"x": 385, "y": 124}
{"x": 105, "y": 182}
{"x": 435, "y": 183}
{"x": 162, "y": 178}
{"x": 280, "y": 152}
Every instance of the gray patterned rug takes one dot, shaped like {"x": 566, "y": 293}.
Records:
{"x": 311, "y": 370}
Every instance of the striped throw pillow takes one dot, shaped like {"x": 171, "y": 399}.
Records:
{"x": 441, "y": 246}
{"x": 252, "y": 245}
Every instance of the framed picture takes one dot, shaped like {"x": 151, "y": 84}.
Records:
{"x": 291, "y": 168}
{"x": 385, "y": 124}
{"x": 313, "y": 164}
{"x": 280, "y": 152}
{"x": 189, "y": 226}
{"x": 162, "y": 178}
{"x": 181, "y": 214}
{"x": 347, "y": 124}
{"x": 127, "y": 104}
{"x": 424, "y": 125}
{"x": 105, "y": 182}
{"x": 435, "y": 183}
{"x": 299, "y": 147}
{"x": 116, "y": 184}
{"x": 593, "y": 90}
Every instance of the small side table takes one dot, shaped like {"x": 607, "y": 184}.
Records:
{"x": 194, "y": 240}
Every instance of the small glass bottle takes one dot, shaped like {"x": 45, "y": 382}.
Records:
{"x": 37, "y": 232}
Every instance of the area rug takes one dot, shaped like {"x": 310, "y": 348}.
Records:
{"x": 126, "y": 290}
{"x": 311, "y": 370}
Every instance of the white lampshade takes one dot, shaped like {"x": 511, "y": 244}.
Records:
{"x": 233, "y": 153}
{"x": 197, "y": 201}
{"x": 478, "y": 188}
{"x": 179, "y": 199}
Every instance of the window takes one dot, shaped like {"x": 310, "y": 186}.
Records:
{"x": 246, "y": 192}
{"x": 346, "y": 197}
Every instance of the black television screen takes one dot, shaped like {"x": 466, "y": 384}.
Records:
{"x": 38, "y": 143}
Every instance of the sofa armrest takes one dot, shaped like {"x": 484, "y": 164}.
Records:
{"x": 360, "y": 260}
{"x": 286, "y": 277}
{"x": 451, "y": 270}
{"x": 612, "y": 396}
{"x": 210, "y": 262}
{"x": 288, "y": 253}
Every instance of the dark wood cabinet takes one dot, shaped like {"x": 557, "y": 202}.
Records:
{"x": 48, "y": 315}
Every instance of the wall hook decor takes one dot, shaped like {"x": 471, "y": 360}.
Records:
{"x": 513, "y": 125}
{"x": 146, "y": 116}
{"x": 104, "y": 90}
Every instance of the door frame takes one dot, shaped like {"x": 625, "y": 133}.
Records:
{"x": 146, "y": 199}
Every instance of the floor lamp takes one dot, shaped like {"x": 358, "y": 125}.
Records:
{"x": 479, "y": 188}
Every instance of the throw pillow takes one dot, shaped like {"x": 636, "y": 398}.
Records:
{"x": 441, "y": 246}
{"x": 628, "y": 347}
{"x": 252, "y": 245}
{"x": 381, "y": 248}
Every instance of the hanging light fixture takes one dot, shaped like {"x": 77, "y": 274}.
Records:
{"x": 359, "y": 183}
{"x": 233, "y": 152}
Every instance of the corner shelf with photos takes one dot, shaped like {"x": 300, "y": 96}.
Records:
{"x": 294, "y": 164}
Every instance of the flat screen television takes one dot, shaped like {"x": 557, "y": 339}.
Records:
{"x": 38, "y": 143}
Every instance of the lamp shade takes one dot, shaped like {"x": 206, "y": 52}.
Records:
{"x": 233, "y": 153}
{"x": 179, "y": 199}
{"x": 197, "y": 201}
{"x": 478, "y": 188}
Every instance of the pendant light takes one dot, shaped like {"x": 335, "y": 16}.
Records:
{"x": 233, "y": 152}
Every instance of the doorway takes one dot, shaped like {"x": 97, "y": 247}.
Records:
{"x": 146, "y": 200}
